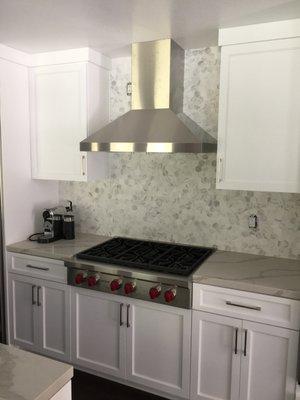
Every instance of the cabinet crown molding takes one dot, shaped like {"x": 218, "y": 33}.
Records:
{"x": 260, "y": 32}
{"x": 13, "y": 55}
{"x": 83, "y": 54}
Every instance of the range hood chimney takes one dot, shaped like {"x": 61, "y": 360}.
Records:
{"x": 156, "y": 122}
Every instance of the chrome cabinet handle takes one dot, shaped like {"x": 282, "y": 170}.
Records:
{"x": 121, "y": 314}
{"x": 245, "y": 343}
{"x": 34, "y": 267}
{"x": 128, "y": 323}
{"x": 38, "y": 296}
{"x": 236, "y": 340}
{"x": 230, "y": 303}
{"x": 33, "y": 302}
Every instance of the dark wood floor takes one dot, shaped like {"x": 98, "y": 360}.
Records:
{"x": 90, "y": 387}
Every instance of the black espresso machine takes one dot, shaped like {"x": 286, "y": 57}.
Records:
{"x": 59, "y": 223}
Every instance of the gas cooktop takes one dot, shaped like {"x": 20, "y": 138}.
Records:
{"x": 146, "y": 255}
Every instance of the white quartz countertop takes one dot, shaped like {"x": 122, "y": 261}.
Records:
{"x": 60, "y": 249}
{"x": 278, "y": 277}
{"x": 253, "y": 273}
{"x": 28, "y": 376}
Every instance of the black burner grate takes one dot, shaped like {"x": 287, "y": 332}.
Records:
{"x": 152, "y": 256}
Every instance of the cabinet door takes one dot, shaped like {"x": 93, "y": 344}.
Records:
{"x": 58, "y": 121}
{"x": 98, "y": 332}
{"x": 259, "y": 119}
{"x": 53, "y": 303}
{"x": 269, "y": 362}
{"x": 216, "y": 352}
{"x": 158, "y": 347}
{"x": 23, "y": 311}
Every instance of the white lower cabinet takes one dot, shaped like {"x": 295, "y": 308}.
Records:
{"x": 158, "y": 347}
{"x": 223, "y": 357}
{"x": 98, "y": 340}
{"x": 40, "y": 316}
{"x": 22, "y": 312}
{"x": 215, "y": 363}
{"x": 269, "y": 362}
{"x": 144, "y": 343}
{"x": 54, "y": 320}
{"x": 236, "y": 359}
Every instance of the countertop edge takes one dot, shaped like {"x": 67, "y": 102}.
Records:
{"x": 35, "y": 253}
{"x": 57, "y": 385}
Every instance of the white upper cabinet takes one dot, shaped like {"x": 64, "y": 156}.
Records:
{"x": 259, "y": 118}
{"x": 68, "y": 102}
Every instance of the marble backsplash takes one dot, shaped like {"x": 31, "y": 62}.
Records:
{"x": 173, "y": 197}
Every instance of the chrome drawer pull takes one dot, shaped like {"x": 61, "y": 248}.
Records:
{"x": 38, "y": 296}
{"x": 128, "y": 323}
{"x": 256, "y": 308}
{"x": 121, "y": 314}
{"x": 236, "y": 340}
{"x": 41, "y": 268}
{"x": 33, "y": 302}
{"x": 245, "y": 343}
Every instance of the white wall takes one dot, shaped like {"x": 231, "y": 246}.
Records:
{"x": 23, "y": 198}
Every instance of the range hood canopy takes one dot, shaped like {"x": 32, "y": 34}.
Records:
{"x": 156, "y": 122}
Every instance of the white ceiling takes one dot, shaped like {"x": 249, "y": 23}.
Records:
{"x": 111, "y": 25}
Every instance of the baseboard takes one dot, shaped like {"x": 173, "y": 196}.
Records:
{"x": 125, "y": 382}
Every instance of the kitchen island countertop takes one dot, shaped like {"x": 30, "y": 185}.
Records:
{"x": 253, "y": 273}
{"x": 28, "y": 376}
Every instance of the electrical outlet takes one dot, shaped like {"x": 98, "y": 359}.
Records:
{"x": 252, "y": 221}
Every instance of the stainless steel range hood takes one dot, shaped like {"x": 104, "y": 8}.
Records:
{"x": 156, "y": 123}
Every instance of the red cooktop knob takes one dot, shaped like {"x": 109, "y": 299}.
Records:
{"x": 80, "y": 277}
{"x": 115, "y": 284}
{"x": 170, "y": 295}
{"x": 93, "y": 279}
{"x": 154, "y": 292}
{"x": 129, "y": 287}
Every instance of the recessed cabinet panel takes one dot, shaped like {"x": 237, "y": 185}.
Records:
{"x": 55, "y": 320}
{"x": 96, "y": 327}
{"x": 215, "y": 363}
{"x": 158, "y": 347}
{"x": 268, "y": 369}
{"x": 40, "y": 316}
{"x": 59, "y": 120}
{"x": 68, "y": 102}
{"x": 259, "y": 119}
{"x": 23, "y": 327}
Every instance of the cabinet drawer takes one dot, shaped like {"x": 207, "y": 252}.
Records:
{"x": 272, "y": 310}
{"x": 45, "y": 268}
